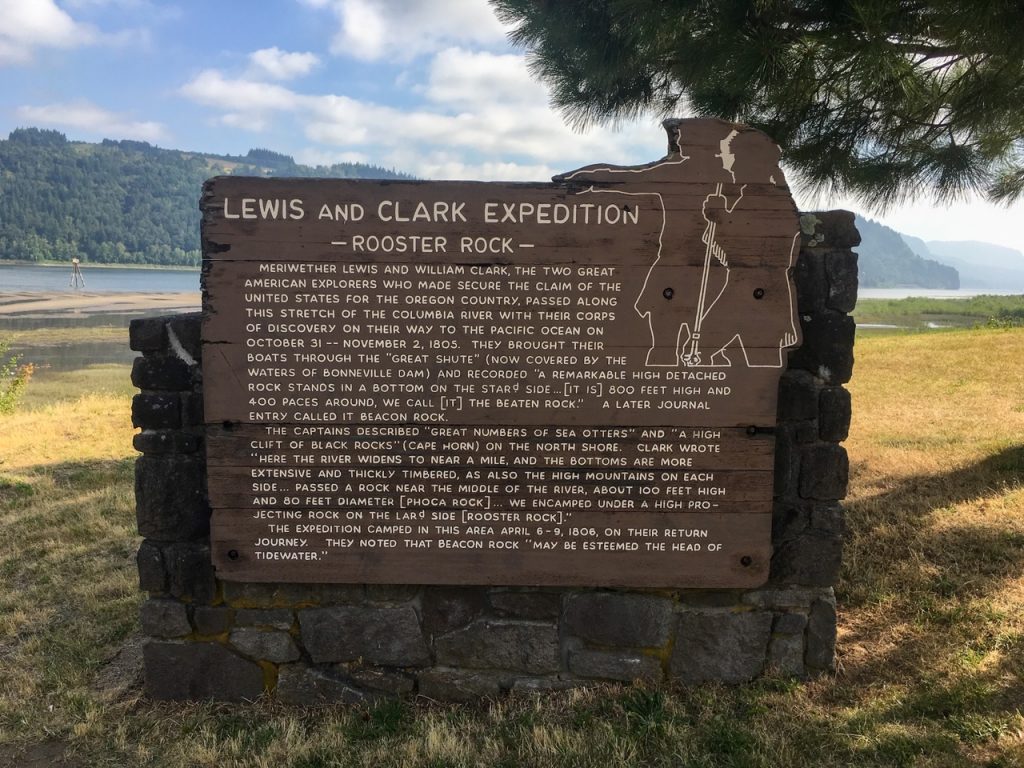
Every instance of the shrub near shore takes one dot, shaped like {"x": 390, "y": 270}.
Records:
{"x": 931, "y": 630}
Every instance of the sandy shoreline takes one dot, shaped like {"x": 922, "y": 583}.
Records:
{"x": 84, "y": 303}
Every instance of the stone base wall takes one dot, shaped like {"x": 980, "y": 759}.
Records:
{"x": 326, "y": 643}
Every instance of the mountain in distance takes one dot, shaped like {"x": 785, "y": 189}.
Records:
{"x": 129, "y": 202}
{"x": 981, "y": 265}
{"x": 121, "y": 202}
{"x": 886, "y": 260}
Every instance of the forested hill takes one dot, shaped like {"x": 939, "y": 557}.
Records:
{"x": 886, "y": 261}
{"x": 124, "y": 202}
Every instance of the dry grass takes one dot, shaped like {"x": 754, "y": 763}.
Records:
{"x": 931, "y": 611}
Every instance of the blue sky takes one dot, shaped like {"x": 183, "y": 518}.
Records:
{"x": 430, "y": 88}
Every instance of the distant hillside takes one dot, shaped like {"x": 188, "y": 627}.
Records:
{"x": 981, "y": 265}
{"x": 887, "y": 261}
{"x": 123, "y": 202}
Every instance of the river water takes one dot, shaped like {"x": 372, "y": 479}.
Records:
{"x": 14, "y": 278}
{"x": 17, "y": 278}
{"x": 53, "y": 358}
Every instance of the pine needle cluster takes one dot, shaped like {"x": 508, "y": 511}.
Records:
{"x": 882, "y": 100}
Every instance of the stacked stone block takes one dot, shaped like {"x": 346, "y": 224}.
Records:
{"x": 322, "y": 643}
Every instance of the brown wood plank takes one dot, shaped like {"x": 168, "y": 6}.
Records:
{"x": 563, "y": 450}
{"x": 358, "y": 328}
{"x": 742, "y": 561}
{"x": 398, "y": 488}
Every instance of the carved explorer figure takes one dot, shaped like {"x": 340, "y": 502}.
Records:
{"x": 754, "y": 242}
{"x": 717, "y": 190}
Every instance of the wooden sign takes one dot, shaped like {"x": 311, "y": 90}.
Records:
{"x": 483, "y": 383}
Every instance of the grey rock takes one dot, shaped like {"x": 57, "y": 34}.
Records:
{"x": 834, "y": 414}
{"x": 787, "y": 462}
{"x": 619, "y": 619}
{"x": 190, "y": 571}
{"x": 832, "y": 229}
{"x": 813, "y": 559}
{"x": 161, "y": 372}
{"x": 458, "y": 685}
{"x": 810, "y": 282}
{"x": 827, "y": 349}
{"x": 299, "y": 684}
{"x": 841, "y": 272}
{"x": 170, "y": 502}
{"x": 611, "y": 665}
{"x": 821, "y": 635}
{"x": 383, "y": 680}
{"x": 448, "y": 608}
{"x": 828, "y": 518}
{"x": 824, "y": 472}
{"x": 785, "y": 598}
{"x": 211, "y": 619}
{"x": 192, "y": 412}
{"x": 147, "y": 334}
{"x": 526, "y": 604}
{"x": 152, "y": 574}
{"x": 164, "y": 618}
{"x": 390, "y": 636}
{"x": 789, "y": 520}
{"x": 789, "y": 624}
{"x": 804, "y": 431}
{"x": 183, "y": 671}
{"x": 161, "y": 442}
{"x": 786, "y": 655}
{"x": 721, "y": 646}
{"x": 265, "y": 645}
{"x": 391, "y": 593}
{"x": 798, "y": 396}
{"x": 156, "y": 410}
{"x": 279, "y": 618}
{"x": 187, "y": 328}
{"x": 501, "y": 644}
{"x": 269, "y": 595}
{"x": 711, "y": 598}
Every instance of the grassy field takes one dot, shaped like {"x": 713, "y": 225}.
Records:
{"x": 931, "y": 647}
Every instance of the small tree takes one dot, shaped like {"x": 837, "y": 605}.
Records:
{"x": 14, "y": 377}
{"x": 880, "y": 99}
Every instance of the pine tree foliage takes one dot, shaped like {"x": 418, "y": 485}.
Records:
{"x": 885, "y": 100}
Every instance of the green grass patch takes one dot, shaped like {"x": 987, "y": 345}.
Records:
{"x": 920, "y": 314}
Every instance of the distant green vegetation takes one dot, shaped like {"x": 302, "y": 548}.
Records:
{"x": 119, "y": 202}
{"x": 14, "y": 377}
{"x": 923, "y": 313}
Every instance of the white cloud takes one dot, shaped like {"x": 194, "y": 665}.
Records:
{"x": 244, "y": 122}
{"x": 482, "y": 119}
{"x": 403, "y": 29}
{"x": 281, "y": 65}
{"x": 31, "y": 24}
{"x": 469, "y": 78}
{"x": 242, "y": 95}
{"x": 88, "y": 117}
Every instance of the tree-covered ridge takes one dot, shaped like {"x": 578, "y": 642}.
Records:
{"x": 120, "y": 202}
{"x": 886, "y": 261}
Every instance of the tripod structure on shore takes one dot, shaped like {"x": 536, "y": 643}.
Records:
{"x": 77, "y": 278}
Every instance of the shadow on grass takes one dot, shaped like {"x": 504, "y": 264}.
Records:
{"x": 931, "y": 577}
{"x": 67, "y": 544}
